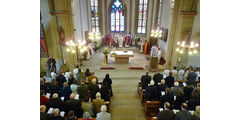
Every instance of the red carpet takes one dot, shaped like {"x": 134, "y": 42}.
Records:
{"x": 137, "y": 68}
{"x": 107, "y": 68}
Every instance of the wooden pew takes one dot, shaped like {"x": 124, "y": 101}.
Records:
{"x": 154, "y": 118}
{"x": 151, "y": 109}
{"x": 108, "y": 106}
{"x": 139, "y": 88}
{"x": 85, "y": 119}
{"x": 142, "y": 96}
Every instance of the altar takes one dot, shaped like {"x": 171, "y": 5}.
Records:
{"x": 121, "y": 57}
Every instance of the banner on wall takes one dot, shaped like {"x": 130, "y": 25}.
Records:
{"x": 43, "y": 47}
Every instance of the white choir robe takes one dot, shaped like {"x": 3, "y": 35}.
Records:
{"x": 165, "y": 73}
{"x": 141, "y": 46}
{"x": 120, "y": 41}
{"x": 154, "y": 51}
{"x": 174, "y": 74}
{"x": 159, "y": 54}
{"x": 88, "y": 55}
{"x": 180, "y": 74}
{"x": 75, "y": 71}
{"x": 53, "y": 75}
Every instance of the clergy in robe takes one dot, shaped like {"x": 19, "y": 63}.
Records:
{"x": 146, "y": 48}
{"x": 127, "y": 40}
{"x": 140, "y": 43}
{"x": 116, "y": 41}
{"x": 121, "y": 41}
{"x": 154, "y": 51}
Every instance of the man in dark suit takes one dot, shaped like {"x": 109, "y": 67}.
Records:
{"x": 166, "y": 114}
{"x": 74, "y": 105}
{"x": 60, "y": 79}
{"x": 56, "y": 102}
{"x": 168, "y": 97}
{"x": 184, "y": 114}
{"x": 83, "y": 91}
{"x": 169, "y": 80}
{"x": 162, "y": 86}
{"x": 43, "y": 114}
{"x": 157, "y": 77}
{"x": 145, "y": 80}
{"x": 151, "y": 91}
{"x": 93, "y": 88}
{"x": 191, "y": 77}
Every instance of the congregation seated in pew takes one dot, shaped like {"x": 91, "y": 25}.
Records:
{"x": 185, "y": 97}
{"x": 166, "y": 114}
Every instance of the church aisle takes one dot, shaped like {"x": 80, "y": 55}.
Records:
{"x": 125, "y": 104}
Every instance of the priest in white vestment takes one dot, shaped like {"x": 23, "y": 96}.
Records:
{"x": 165, "y": 73}
{"x": 154, "y": 51}
{"x": 140, "y": 43}
{"x": 180, "y": 74}
{"x": 120, "y": 41}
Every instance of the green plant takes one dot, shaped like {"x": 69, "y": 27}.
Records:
{"x": 106, "y": 51}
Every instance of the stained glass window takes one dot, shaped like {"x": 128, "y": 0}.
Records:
{"x": 142, "y": 16}
{"x": 94, "y": 15}
{"x": 117, "y": 17}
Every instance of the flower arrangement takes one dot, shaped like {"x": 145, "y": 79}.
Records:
{"x": 106, "y": 51}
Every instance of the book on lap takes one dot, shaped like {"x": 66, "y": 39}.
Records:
{"x": 62, "y": 113}
{"x": 50, "y": 111}
{"x": 62, "y": 98}
{"x": 163, "y": 93}
{"x": 48, "y": 95}
{"x": 77, "y": 96}
{"x": 175, "y": 111}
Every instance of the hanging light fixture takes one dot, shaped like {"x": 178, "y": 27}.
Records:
{"x": 190, "y": 46}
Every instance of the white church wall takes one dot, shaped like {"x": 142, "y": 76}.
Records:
{"x": 165, "y": 23}
{"x": 195, "y": 60}
{"x": 76, "y": 11}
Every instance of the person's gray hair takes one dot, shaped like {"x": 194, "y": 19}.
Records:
{"x": 86, "y": 115}
{"x": 98, "y": 94}
{"x": 152, "y": 82}
{"x": 103, "y": 108}
{"x": 176, "y": 84}
{"x": 56, "y": 111}
{"x": 94, "y": 80}
{"x": 55, "y": 95}
{"x": 42, "y": 108}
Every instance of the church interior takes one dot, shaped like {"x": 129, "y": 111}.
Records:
{"x": 120, "y": 59}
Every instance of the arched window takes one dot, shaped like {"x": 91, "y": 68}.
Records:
{"x": 94, "y": 16}
{"x": 142, "y": 16}
{"x": 117, "y": 17}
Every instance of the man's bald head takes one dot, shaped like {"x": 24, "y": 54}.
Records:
{"x": 72, "y": 96}
{"x": 184, "y": 106}
{"x": 167, "y": 105}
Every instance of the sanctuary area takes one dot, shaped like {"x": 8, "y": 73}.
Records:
{"x": 120, "y": 60}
